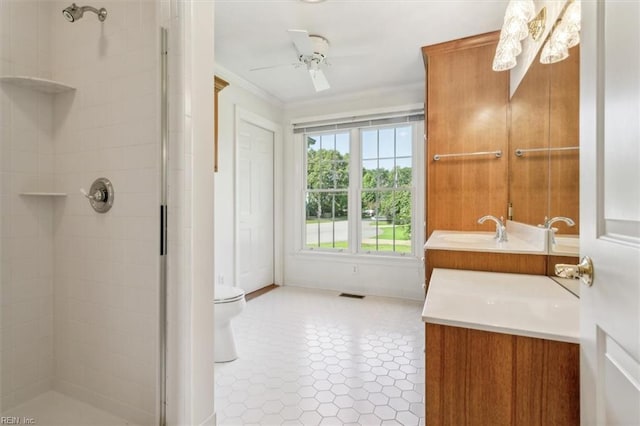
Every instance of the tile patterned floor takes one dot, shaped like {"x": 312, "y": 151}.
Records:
{"x": 310, "y": 357}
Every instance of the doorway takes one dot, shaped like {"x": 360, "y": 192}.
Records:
{"x": 255, "y": 257}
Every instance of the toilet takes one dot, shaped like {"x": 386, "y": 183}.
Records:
{"x": 229, "y": 302}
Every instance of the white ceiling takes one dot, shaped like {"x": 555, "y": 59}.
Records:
{"x": 373, "y": 43}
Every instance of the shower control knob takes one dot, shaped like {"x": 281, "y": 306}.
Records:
{"x": 100, "y": 195}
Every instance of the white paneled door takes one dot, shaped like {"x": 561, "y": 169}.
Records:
{"x": 610, "y": 212}
{"x": 255, "y": 206}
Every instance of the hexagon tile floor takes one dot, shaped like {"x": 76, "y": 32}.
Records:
{"x": 310, "y": 357}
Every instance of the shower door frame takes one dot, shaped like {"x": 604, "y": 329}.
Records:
{"x": 162, "y": 311}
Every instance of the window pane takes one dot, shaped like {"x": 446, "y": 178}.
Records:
{"x": 386, "y": 174}
{"x": 341, "y": 174}
{"x": 370, "y": 174}
{"x": 403, "y": 141}
{"x": 326, "y": 224}
{"x": 319, "y": 173}
{"x": 403, "y": 172}
{"x": 313, "y": 142}
{"x": 369, "y": 144}
{"x": 389, "y": 228}
{"x": 328, "y": 167}
{"x": 328, "y": 142}
{"x": 342, "y": 144}
{"x": 387, "y": 143}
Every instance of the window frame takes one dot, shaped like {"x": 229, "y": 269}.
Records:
{"x": 355, "y": 190}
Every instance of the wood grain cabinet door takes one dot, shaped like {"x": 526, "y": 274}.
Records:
{"x": 477, "y": 377}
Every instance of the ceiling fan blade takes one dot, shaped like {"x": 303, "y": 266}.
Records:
{"x": 302, "y": 42}
{"x": 295, "y": 65}
{"x": 319, "y": 80}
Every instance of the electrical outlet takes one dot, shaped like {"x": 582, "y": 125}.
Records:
{"x": 355, "y": 269}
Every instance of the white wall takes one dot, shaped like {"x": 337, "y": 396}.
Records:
{"x": 360, "y": 274}
{"x": 191, "y": 208}
{"x": 384, "y": 97}
{"x": 106, "y": 265}
{"x": 26, "y": 232}
{"x": 232, "y": 97}
{"x": 376, "y": 275}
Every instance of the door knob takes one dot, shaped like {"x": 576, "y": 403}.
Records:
{"x": 583, "y": 270}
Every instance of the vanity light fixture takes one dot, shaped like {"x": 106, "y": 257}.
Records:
{"x": 520, "y": 21}
{"x": 565, "y": 35}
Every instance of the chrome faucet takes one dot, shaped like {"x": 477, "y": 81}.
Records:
{"x": 501, "y": 229}
{"x": 548, "y": 222}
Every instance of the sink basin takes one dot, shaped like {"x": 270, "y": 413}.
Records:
{"x": 566, "y": 245}
{"x": 468, "y": 238}
{"x": 521, "y": 239}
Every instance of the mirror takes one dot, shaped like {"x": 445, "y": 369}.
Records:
{"x": 543, "y": 150}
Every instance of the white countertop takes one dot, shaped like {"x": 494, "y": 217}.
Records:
{"x": 523, "y": 305}
{"x": 522, "y": 239}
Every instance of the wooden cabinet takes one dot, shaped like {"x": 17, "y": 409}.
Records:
{"x": 218, "y": 85}
{"x": 483, "y": 261}
{"x": 466, "y": 112}
{"x": 477, "y": 377}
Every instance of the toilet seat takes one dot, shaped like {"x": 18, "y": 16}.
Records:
{"x": 227, "y": 294}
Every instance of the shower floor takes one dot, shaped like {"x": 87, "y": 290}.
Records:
{"x": 55, "y": 409}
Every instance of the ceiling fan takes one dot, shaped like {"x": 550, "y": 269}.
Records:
{"x": 312, "y": 53}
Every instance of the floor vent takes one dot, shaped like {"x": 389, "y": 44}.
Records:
{"x": 353, "y": 296}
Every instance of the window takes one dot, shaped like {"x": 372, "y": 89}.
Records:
{"x": 327, "y": 190}
{"x": 360, "y": 186}
{"x": 386, "y": 196}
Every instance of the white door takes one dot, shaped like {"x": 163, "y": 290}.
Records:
{"x": 255, "y": 206}
{"x": 610, "y": 212}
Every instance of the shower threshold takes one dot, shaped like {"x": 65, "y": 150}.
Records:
{"x": 55, "y": 409}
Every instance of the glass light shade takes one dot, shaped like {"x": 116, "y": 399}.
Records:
{"x": 572, "y": 14}
{"x": 503, "y": 61}
{"x": 524, "y": 10}
{"x": 553, "y": 52}
{"x": 560, "y": 35}
{"x": 574, "y": 39}
{"x": 516, "y": 28}
{"x": 509, "y": 44}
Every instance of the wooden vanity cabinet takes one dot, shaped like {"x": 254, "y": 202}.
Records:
{"x": 513, "y": 263}
{"x": 476, "y": 377}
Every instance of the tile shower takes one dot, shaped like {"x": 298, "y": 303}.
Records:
{"x": 79, "y": 289}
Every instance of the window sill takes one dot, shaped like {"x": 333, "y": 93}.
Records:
{"x": 363, "y": 258}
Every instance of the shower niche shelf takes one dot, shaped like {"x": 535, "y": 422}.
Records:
{"x": 44, "y": 194}
{"x": 35, "y": 83}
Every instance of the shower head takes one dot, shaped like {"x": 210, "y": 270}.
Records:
{"x": 74, "y": 12}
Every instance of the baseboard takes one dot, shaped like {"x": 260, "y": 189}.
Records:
{"x": 260, "y": 292}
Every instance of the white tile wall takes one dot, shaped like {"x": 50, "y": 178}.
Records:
{"x": 26, "y": 238}
{"x": 106, "y": 274}
{"x": 79, "y": 290}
